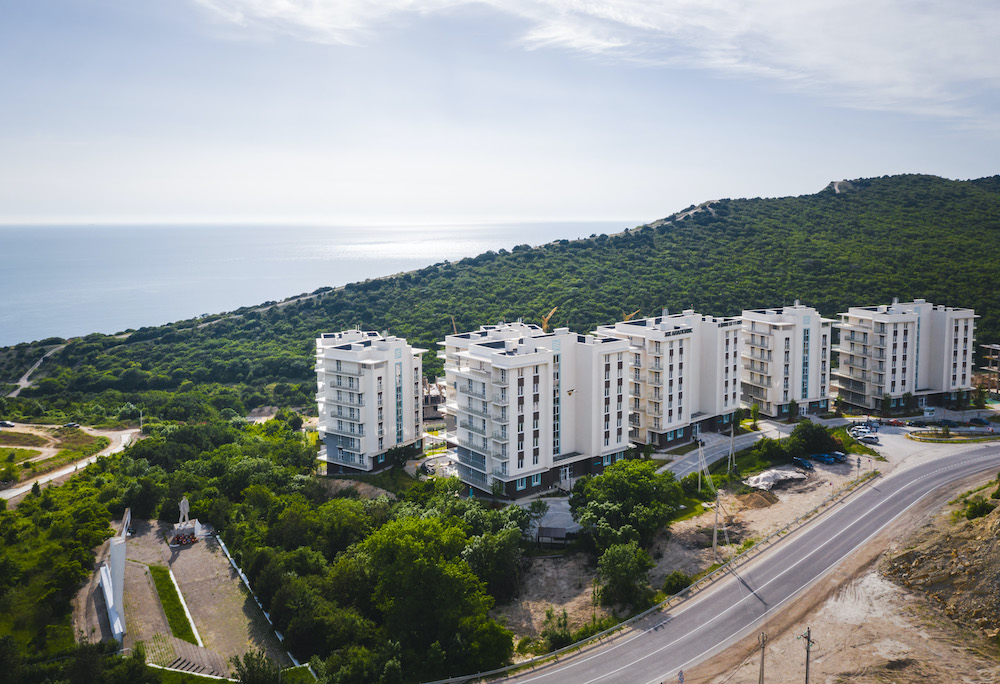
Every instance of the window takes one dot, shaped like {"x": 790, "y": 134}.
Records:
{"x": 520, "y": 483}
{"x": 536, "y": 480}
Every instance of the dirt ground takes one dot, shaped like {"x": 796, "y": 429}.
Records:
{"x": 865, "y": 628}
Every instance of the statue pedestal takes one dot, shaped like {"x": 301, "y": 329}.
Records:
{"x": 187, "y": 533}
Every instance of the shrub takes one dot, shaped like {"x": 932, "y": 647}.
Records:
{"x": 977, "y": 507}
{"x": 676, "y": 582}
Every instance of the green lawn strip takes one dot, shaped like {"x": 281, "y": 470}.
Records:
{"x": 23, "y": 439}
{"x": 171, "y": 602}
{"x": 175, "y": 677}
{"x": 64, "y": 457}
{"x": 16, "y": 455}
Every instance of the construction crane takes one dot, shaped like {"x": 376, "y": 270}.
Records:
{"x": 628, "y": 317}
{"x": 453, "y": 326}
{"x": 545, "y": 319}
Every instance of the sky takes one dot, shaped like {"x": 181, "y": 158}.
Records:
{"x": 313, "y": 111}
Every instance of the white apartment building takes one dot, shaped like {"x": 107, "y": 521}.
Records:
{"x": 533, "y": 409}
{"x": 786, "y": 357}
{"x": 369, "y": 392}
{"x": 683, "y": 371}
{"x": 912, "y": 350}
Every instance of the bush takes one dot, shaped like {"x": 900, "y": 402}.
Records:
{"x": 676, "y": 582}
{"x": 977, "y": 508}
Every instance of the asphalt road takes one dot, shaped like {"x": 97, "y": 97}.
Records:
{"x": 656, "y": 649}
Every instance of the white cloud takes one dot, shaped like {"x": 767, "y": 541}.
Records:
{"x": 925, "y": 58}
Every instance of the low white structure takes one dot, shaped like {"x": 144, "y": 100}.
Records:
{"x": 112, "y": 579}
{"x": 911, "y": 352}
{"x": 683, "y": 372}
{"x": 534, "y": 409}
{"x": 786, "y": 358}
{"x": 369, "y": 392}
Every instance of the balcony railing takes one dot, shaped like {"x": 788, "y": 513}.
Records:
{"x": 472, "y": 427}
{"x": 500, "y": 417}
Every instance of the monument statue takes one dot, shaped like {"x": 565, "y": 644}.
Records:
{"x": 185, "y": 509}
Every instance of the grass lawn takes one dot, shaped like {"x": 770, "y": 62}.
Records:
{"x": 22, "y": 439}
{"x": 394, "y": 480}
{"x": 171, "y": 602}
{"x": 687, "y": 448}
{"x": 15, "y": 455}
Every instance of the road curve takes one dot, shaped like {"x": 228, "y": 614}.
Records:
{"x": 123, "y": 439}
{"x": 663, "y": 644}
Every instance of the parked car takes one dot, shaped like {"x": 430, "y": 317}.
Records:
{"x": 896, "y": 422}
{"x": 803, "y": 463}
{"x": 838, "y": 456}
{"x": 944, "y": 422}
{"x": 868, "y": 439}
{"x": 975, "y": 421}
{"x": 6, "y": 423}
{"x": 823, "y": 458}
{"x": 918, "y": 423}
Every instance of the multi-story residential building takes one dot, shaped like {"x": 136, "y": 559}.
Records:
{"x": 534, "y": 409}
{"x": 786, "y": 358}
{"x": 913, "y": 352}
{"x": 369, "y": 391}
{"x": 683, "y": 371}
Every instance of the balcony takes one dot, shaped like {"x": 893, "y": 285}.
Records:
{"x": 501, "y": 398}
{"x": 472, "y": 427}
{"x": 472, "y": 391}
{"x": 344, "y": 402}
{"x": 500, "y": 417}
{"x": 498, "y": 382}
{"x": 474, "y": 411}
{"x": 501, "y": 473}
{"x": 500, "y": 435}
{"x": 344, "y": 431}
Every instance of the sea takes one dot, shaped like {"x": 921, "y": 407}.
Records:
{"x": 67, "y": 281}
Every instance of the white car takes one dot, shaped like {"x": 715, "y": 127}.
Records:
{"x": 868, "y": 439}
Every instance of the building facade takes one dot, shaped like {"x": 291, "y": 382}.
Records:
{"x": 534, "y": 409}
{"x": 369, "y": 392}
{"x": 914, "y": 353}
{"x": 786, "y": 359}
{"x": 683, "y": 372}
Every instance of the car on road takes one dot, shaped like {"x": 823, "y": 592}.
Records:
{"x": 71, "y": 425}
{"x": 918, "y": 423}
{"x": 823, "y": 458}
{"x": 896, "y": 422}
{"x": 6, "y": 423}
{"x": 803, "y": 463}
{"x": 868, "y": 439}
{"x": 982, "y": 422}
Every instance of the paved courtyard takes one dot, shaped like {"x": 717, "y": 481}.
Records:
{"x": 224, "y": 613}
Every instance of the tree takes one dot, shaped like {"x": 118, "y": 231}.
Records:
{"x": 754, "y": 413}
{"x": 255, "y": 668}
{"x": 886, "y": 405}
{"x": 979, "y": 397}
{"x": 793, "y": 411}
{"x": 624, "y": 570}
{"x": 629, "y": 501}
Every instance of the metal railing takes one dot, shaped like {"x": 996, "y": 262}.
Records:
{"x": 679, "y": 597}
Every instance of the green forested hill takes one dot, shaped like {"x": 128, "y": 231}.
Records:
{"x": 907, "y": 236}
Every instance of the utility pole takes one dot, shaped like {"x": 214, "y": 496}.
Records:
{"x": 809, "y": 643}
{"x": 762, "y": 639}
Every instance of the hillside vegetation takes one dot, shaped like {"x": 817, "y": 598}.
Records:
{"x": 907, "y": 236}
